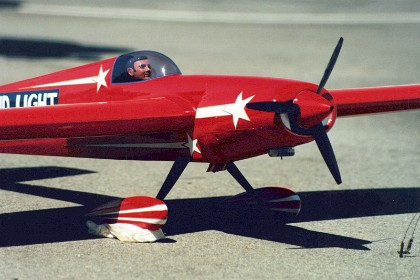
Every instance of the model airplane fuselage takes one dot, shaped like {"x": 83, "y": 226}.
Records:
{"x": 82, "y": 112}
{"x": 100, "y": 111}
{"x": 87, "y": 112}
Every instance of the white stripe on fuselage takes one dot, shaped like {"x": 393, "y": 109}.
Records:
{"x": 212, "y": 111}
{"x": 236, "y": 110}
{"x": 176, "y": 145}
{"x": 192, "y": 145}
{"x": 98, "y": 80}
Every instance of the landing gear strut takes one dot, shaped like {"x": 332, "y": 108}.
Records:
{"x": 181, "y": 163}
{"x": 240, "y": 178}
{"x": 177, "y": 168}
{"x": 277, "y": 199}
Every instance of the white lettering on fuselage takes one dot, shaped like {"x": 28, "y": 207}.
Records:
{"x": 4, "y": 101}
{"x": 28, "y": 99}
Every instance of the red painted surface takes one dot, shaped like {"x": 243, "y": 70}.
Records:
{"x": 170, "y": 116}
{"x": 277, "y": 199}
{"x": 143, "y": 211}
{"x": 376, "y": 100}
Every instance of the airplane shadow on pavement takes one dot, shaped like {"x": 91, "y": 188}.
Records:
{"x": 10, "y": 4}
{"x": 46, "y": 49}
{"x": 195, "y": 215}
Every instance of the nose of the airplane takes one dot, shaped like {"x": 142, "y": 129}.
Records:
{"x": 313, "y": 107}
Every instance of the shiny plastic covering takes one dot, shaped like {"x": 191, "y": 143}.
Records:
{"x": 130, "y": 219}
{"x": 161, "y": 66}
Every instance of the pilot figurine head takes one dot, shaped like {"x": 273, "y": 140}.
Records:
{"x": 139, "y": 68}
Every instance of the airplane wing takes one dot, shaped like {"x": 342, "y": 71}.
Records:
{"x": 96, "y": 119}
{"x": 376, "y": 100}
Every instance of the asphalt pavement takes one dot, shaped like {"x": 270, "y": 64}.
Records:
{"x": 350, "y": 231}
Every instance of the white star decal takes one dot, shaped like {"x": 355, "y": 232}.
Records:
{"x": 236, "y": 110}
{"x": 192, "y": 145}
{"x": 98, "y": 80}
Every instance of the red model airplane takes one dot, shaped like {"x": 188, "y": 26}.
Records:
{"x": 102, "y": 110}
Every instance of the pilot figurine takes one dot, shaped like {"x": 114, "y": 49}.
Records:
{"x": 139, "y": 68}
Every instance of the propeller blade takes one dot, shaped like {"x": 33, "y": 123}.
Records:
{"x": 309, "y": 107}
{"x": 330, "y": 66}
{"x": 324, "y": 146}
{"x": 276, "y": 107}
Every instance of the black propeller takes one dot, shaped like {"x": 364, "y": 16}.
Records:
{"x": 276, "y": 107}
{"x": 327, "y": 152}
{"x": 330, "y": 65}
{"x": 320, "y": 136}
{"x": 317, "y": 131}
